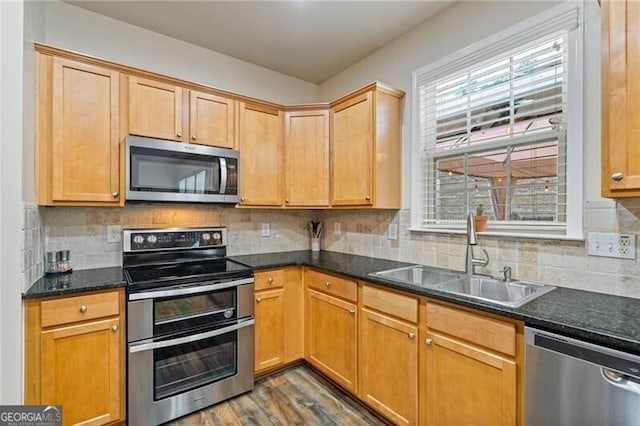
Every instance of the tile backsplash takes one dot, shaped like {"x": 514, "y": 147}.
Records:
{"x": 32, "y": 248}
{"x": 562, "y": 263}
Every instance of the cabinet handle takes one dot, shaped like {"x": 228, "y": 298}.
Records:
{"x": 194, "y": 137}
{"x": 179, "y": 134}
{"x": 368, "y": 198}
{"x": 428, "y": 341}
{"x": 352, "y": 311}
{"x": 270, "y": 280}
{"x": 617, "y": 176}
{"x": 114, "y": 328}
{"x": 115, "y": 194}
{"x": 83, "y": 309}
{"x": 411, "y": 335}
{"x": 258, "y": 300}
{"x": 327, "y": 283}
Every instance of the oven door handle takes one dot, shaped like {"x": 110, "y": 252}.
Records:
{"x": 188, "y": 339}
{"x": 189, "y": 290}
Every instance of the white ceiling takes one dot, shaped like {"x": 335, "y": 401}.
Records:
{"x": 307, "y": 39}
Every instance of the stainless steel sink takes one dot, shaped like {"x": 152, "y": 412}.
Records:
{"x": 419, "y": 275}
{"x": 512, "y": 293}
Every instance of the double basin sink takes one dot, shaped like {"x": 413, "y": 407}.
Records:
{"x": 512, "y": 293}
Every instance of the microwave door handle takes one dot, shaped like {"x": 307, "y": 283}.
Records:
{"x": 189, "y": 339}
{"x": 223, "y": 175}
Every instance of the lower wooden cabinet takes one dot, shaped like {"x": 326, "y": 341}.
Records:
{"x": 77, "y": 362}
{"x": 389, "y": 366}
{"x": 278, "y": 315}
{"x": 331, "y": 337}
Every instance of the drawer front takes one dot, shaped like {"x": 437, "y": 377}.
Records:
{"x": 265, "y": 280}
{"x": 490, "y": 333}
{"x": 331, "y": 284}
{"x": 398, "y": 305}
{"x": 79, "y": 308}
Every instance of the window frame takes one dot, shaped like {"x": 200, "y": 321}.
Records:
{"x": 573, "y": 228}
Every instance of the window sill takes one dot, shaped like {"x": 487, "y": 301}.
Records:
{"x": 501, "y": 233}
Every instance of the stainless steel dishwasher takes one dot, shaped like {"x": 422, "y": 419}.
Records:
{"x": 571, "y": 382}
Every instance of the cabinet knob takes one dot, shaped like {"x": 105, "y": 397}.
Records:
{"x": 411, "y": 335}
{"x": 114, "y": 328}
{"x": 327, "y": 283}
{"x": 83, "y": 309}
{"x": 368, "y": 198}
{"x": 258, "y": 300}
{"x": 352, "y": 311}
{"x": 193, "y": 137}
{"x": 270, "y": 280}
{"x": 179, "y": 134}
{"x": 115, "y": 194}
{"x": 617, "y": 176}
{"x": 286, "y": 200}
{"x": 242, "y": 199}
{"x": 428, "y": 341}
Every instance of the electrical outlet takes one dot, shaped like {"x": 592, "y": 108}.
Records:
{"x": 392, "y": 232}
{"x": 265, "y": 229}
{"x": 114, "y": 233}
{"x": 337, "y": 228}
{"x": 622, "y": 246}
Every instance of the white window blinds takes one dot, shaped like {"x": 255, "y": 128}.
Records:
{"x": 492, "y": 127}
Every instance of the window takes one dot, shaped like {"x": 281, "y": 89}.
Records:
{"x": 498, "y": 126}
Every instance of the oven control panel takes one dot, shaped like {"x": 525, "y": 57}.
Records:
{"x": 173, "y": 239}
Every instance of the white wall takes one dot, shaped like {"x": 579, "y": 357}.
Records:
{"x": 76, "y": 29}
{"x": 11, "y": 36}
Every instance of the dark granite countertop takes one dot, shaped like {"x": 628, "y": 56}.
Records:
{"x": 76, "y": 282}
{"x": 608, "y": 320}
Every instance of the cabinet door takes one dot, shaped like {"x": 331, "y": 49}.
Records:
{"x": 331, "y": 338}
{"x": 155, "y": 109}
{"x": 621, "y": 98}
{"x": 467, "y": 385}
{"x": 85, "y": 164}
{"x": 212, "y": 120}
{"x": 293, "y": 316}
{"x": 260, "y": 145}
{"x": 389, "y": 366}
{"x": 80, "y": 370}
{"x": 269, "y": 329}
{"x": 307, "y": 158}
{"x": 351, "y": 152}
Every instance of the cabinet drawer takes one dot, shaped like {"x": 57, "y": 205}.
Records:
{"x": 79, "y": 308}
{"x": 398, "y": 305}
{"x": 490, "y": 333}
{"x": 331, "y": 284}
{"x": 266, "y": 280}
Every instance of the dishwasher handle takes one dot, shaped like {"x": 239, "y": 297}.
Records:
{"x": 621, "y": 380}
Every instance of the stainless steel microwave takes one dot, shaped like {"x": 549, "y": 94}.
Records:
{"x": 159, "y": 170}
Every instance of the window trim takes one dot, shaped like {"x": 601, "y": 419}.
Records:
{"x": 573, "y": 229}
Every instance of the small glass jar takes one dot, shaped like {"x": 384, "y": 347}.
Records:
{"x": 51, "y": 266}
{"x": 63, "y": 260}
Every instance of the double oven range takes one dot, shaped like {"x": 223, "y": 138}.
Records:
{"x": 190, "y": 322}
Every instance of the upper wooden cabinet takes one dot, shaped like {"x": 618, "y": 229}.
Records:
{"x": 77, "y": 154}
{"x": 307, "y": 158}
{"x": 620, "y": 98}
{"x": 166, "y": 111}
{"x": 366, "y": 148}
{"x": 260, "y": 145}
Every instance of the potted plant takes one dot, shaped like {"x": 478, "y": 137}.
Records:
{"x": 480, "y": 218}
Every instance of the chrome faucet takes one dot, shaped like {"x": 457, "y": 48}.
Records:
{"x": 472, "y": 240}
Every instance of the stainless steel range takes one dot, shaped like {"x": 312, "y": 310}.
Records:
{"x": 190, "y": 322}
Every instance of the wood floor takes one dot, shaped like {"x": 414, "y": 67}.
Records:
{"x": 296, "y": 396}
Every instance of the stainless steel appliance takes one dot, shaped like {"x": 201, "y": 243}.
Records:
{"x": 159, "y": 170}
{"x": 571, "y": 382}
{"x": 190, "y": 326}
